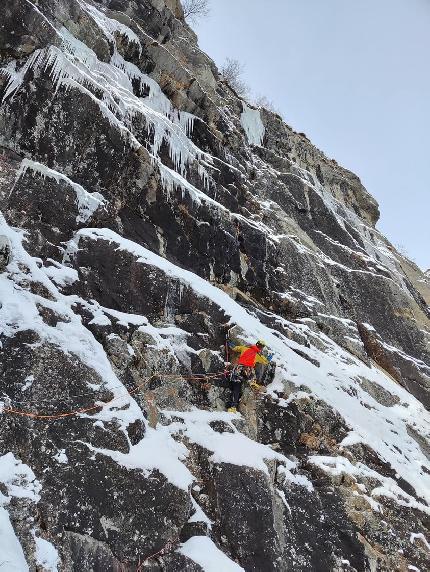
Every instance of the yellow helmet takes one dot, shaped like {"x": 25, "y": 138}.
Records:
{"x": 261, "y": 343}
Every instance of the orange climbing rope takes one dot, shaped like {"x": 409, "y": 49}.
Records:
{"x": 55, "y": 416}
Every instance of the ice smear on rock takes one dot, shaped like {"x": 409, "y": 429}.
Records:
{"x": 111, "y": 26}
{"x": 114, "y": 80}
{"x": 252, "y": 125}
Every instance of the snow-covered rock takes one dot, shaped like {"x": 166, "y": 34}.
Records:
{"x": 146, "y": 212}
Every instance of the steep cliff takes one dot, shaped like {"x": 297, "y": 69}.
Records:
{"x": 147, "y": 210}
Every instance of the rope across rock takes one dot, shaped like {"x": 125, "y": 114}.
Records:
{"x": 199, "y": 378}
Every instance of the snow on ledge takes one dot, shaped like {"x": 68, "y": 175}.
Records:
{"x": 206, "y": 554}
{"x": 11, "y": 553}
{"x": 252, "y": 125}
{"x": 157, "y": 451}
{"x": 335, "y": 383}
{"x": 47, "y": 556}
{"x": 86, "y": 202}
{"x": 19, "y": 482}
{"x": 234, "y": 448}
{"x": 336, "y": 466}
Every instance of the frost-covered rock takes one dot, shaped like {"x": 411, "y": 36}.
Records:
{"x": 5, "y": 252}
{"x": 147, "y": 211}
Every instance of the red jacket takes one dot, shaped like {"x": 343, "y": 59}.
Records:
{"x": 250, "y": 356}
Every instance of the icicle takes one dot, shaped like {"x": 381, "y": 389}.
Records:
{"x": 109, "y": 26}
{"x": 110, "y": 86}
{"x": 252, "y": 125}
{"x": 16, "y": 77}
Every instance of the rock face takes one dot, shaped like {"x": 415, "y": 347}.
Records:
{"x": 146, "y": 211}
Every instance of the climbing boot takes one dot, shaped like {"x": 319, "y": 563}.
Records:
{"x": 256, "y": 387}
{"x": 232, "y": 410}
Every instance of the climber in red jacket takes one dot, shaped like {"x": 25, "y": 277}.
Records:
{"x": 244, "y": 371}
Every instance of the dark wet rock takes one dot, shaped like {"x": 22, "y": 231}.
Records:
{"x": 412, "y": 374}
{"x": 315, "y": 543}
{"x": 302, "y": 424}
{"x": 193, "y": 529}
{"x": 380, "y": 394}
{"x": 247, "y": 519}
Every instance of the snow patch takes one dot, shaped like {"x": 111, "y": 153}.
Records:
{"x": 234, "y": 448}
{"x": 12, "y": 556}
{"x": 19, "y": 312}
{"x": 206, "y": 554}
{"x": 419, "y": 536}
{"x": 157, "y": 451}
{"x": 86, "y": 202}
{"x": 19, "y": 479}
{"x": 20, "y": 482}
{"x": 60, "y": 274}
{"x": 46, "y": 554}
{"x": 61, "y": 457}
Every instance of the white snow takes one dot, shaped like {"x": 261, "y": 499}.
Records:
{"x": 252, "y": 125}
{"x": 169, "y": 338}
{"x": 234, "y": 448}
{"x": 204, "y": 552}
{"x": 110, "y": 87}
{"x": 28, "y": 382}
{"x": 60, "y": 274}
{"x": 335, "y": 381}
{"x": 46, "y": 554}
{"x": 284, "y": 500}
{"x": 199, "y": 515}
{"x": 18, "y": 478}
{"x": 61, "y": 457}
{"x": 12, "y": 556}
{"x": 20, "y": 482}
{"x": 420, "y": 536}
{"x": 388, "y": 488}
{"x": 19, "y": 312}
{"x": 290, "y": 477}
{"x": 86, "y": 202}
{"x": 156, "y": 451}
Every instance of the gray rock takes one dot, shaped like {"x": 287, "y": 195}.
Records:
{"x": 5, "y": 253}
